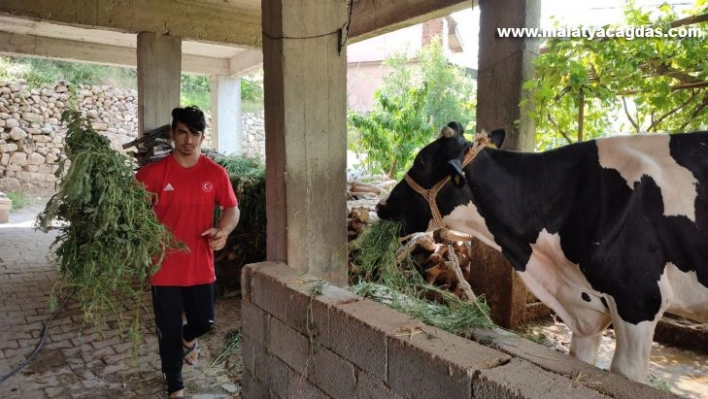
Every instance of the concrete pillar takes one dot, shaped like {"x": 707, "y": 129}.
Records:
{"x": 226, "y": 114}
{"x": 159, "y": 71}
{"x": 305, "y": 123}
{"x": 504, "y": 64}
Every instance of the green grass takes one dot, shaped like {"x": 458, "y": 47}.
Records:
{"x": 401, "y": 287}
{"x": 200, "y": 99}
{"x": 251, "y": 106}
{"x": 203, "y": 101}
{"x": 21, "y": 200}
{"x": 532, "y": 333}
{"x": 663, "y": 385}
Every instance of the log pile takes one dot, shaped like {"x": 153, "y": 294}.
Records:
{"x": 444, "y": 260}
{"x": 359, "y": 219}
{"x": 152, "y": 146}
{"x": 375, "y": 186}
{"x": 363, "y": 193}
{"x": 156, "y": 144}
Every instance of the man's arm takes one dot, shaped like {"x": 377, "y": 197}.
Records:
{"x": 227, "y": 224}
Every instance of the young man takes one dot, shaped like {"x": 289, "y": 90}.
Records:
{"x": 186, "y": 187}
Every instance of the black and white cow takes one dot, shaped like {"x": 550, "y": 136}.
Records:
{"x": 610, "y": 230}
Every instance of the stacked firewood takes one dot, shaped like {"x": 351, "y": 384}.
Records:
{"x": 363, "y": 193}
{"x": 152, "y": 146}
{"x": 444, "y": 258}
{"x": 360, "y": 218}
{"x": 155, "y": 145}
{"x": 376, "y": 186}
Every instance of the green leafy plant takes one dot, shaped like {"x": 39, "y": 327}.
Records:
{"x": 109, "y": 241}
{"x": 583, "y": 87}
{"x": 248, "y": 180}
{"x": 21, "y": 200}
{"x": 391, "y": 135}
{"x": 401, "y": 286}
{"x": 533, "y": 333}
{"x": 415, "y": 100}
{"x": 247, "y": 243}
{"x": 663, "y": 386}
{"x": 232, "y": 345}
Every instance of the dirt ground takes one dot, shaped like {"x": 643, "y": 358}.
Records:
{"x": 680, "y": 371}
{"x": 221, "y": 344}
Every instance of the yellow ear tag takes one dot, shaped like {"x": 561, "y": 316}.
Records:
{"x": 457, "y": 180}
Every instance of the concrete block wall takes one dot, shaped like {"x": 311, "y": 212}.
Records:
{"x": 334, "y": 344}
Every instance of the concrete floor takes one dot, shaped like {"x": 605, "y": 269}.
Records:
{"x": 76, "y": 362}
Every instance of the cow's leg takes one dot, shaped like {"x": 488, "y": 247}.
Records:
{"x": 633, "y": 341}
{"x": 585, "y": 348}
{"x": 633, "y": 348}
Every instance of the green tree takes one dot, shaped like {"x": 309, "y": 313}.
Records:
{"x": 392, "y": 133}
{"x": 450, "y": 92}
{"x": 196, "y": 89}
{"x": 590, "y": 88}
{"x": 415, "y": 100}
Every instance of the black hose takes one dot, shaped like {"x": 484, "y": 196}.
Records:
{"x": 39, "y": 345}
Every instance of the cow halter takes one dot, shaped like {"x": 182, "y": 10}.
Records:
{"x": 481, "y": 140}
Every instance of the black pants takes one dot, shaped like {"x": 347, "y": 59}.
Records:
{"x": 197, "y": 303}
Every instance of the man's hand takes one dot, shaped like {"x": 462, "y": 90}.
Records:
{"x": 217, "y": 238}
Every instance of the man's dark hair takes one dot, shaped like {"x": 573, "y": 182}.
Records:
{"x": 191, "y": 116}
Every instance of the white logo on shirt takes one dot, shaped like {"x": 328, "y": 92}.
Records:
{"x": 168, "y": 187}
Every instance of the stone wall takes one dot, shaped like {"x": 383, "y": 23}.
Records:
{"x": 32, "y": 138}
{"x": 335, "y": 344}
{"x": 253, "y": 128}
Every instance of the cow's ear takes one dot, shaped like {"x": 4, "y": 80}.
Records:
{"x": 497, "y": 137}
{"x": 456, "y": 173}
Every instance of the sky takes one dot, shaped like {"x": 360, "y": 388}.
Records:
{"x": 571, "y": 12}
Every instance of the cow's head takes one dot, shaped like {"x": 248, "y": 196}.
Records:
{"x": 438, "y": 160}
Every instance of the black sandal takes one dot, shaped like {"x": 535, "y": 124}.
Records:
{"x": 188, "y": 352}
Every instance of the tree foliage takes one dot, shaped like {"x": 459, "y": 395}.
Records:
{"x": 589, "y": 88}
{"x": 40, "y": 71}
{"x": 415, "y": 100}
{"x": 196, "y": 89}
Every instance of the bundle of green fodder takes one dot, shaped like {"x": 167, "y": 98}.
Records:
{"x": 247, "y": 243}
{"x": 109, "y": 241}
{"x": 377, "y": 275}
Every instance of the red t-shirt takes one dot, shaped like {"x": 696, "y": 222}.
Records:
{"x": 185, "y": 203}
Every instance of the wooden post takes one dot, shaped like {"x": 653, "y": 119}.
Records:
{"x": 504, "y": 65}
